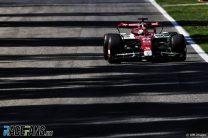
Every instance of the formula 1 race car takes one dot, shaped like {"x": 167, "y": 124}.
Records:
{"x": 143, "y": 43}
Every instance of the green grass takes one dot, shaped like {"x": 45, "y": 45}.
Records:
{"x": 163, "y": 2}
{"x": 193, "y": 18}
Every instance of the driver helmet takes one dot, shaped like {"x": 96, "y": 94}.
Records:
{"x": 141, "y": 32}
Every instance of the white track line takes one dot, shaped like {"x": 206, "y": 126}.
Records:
{"x": 180, "y": 29}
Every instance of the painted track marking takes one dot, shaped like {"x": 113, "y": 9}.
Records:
{"x": 180, "y": 29}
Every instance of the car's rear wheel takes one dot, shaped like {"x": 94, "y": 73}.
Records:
{"x": 179, "y": 46}
{"x": 115, "y": 46}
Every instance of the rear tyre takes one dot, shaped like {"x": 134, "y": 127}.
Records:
{"x": 115, "y": 46}
{"x": 178, "y": 45}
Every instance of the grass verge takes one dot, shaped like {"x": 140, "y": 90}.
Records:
{"x": 193, "y": 18}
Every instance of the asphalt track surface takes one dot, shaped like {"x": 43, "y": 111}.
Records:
{"x": 52, "y": 72}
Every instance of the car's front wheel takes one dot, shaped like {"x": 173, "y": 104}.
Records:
{"x": 106, "y": 42}
{"x": 179, "y": 46}
{"x": 115, "y": 46}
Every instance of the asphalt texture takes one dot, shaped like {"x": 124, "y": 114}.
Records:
{"x": 52, "y": 72}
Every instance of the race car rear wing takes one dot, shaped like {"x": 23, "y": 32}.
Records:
{"x": 140, "y": 24}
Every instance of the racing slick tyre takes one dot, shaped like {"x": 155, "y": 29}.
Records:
{"x": 115, "y": 46}
{"x": 179, "y": 46}
{"x": 105, "y": 45}
{"x": 182, "y": 56}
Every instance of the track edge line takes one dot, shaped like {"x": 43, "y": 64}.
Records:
{"x": 181, "y": 30}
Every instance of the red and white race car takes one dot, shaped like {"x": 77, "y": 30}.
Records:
{"x": 143, "y": 43}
